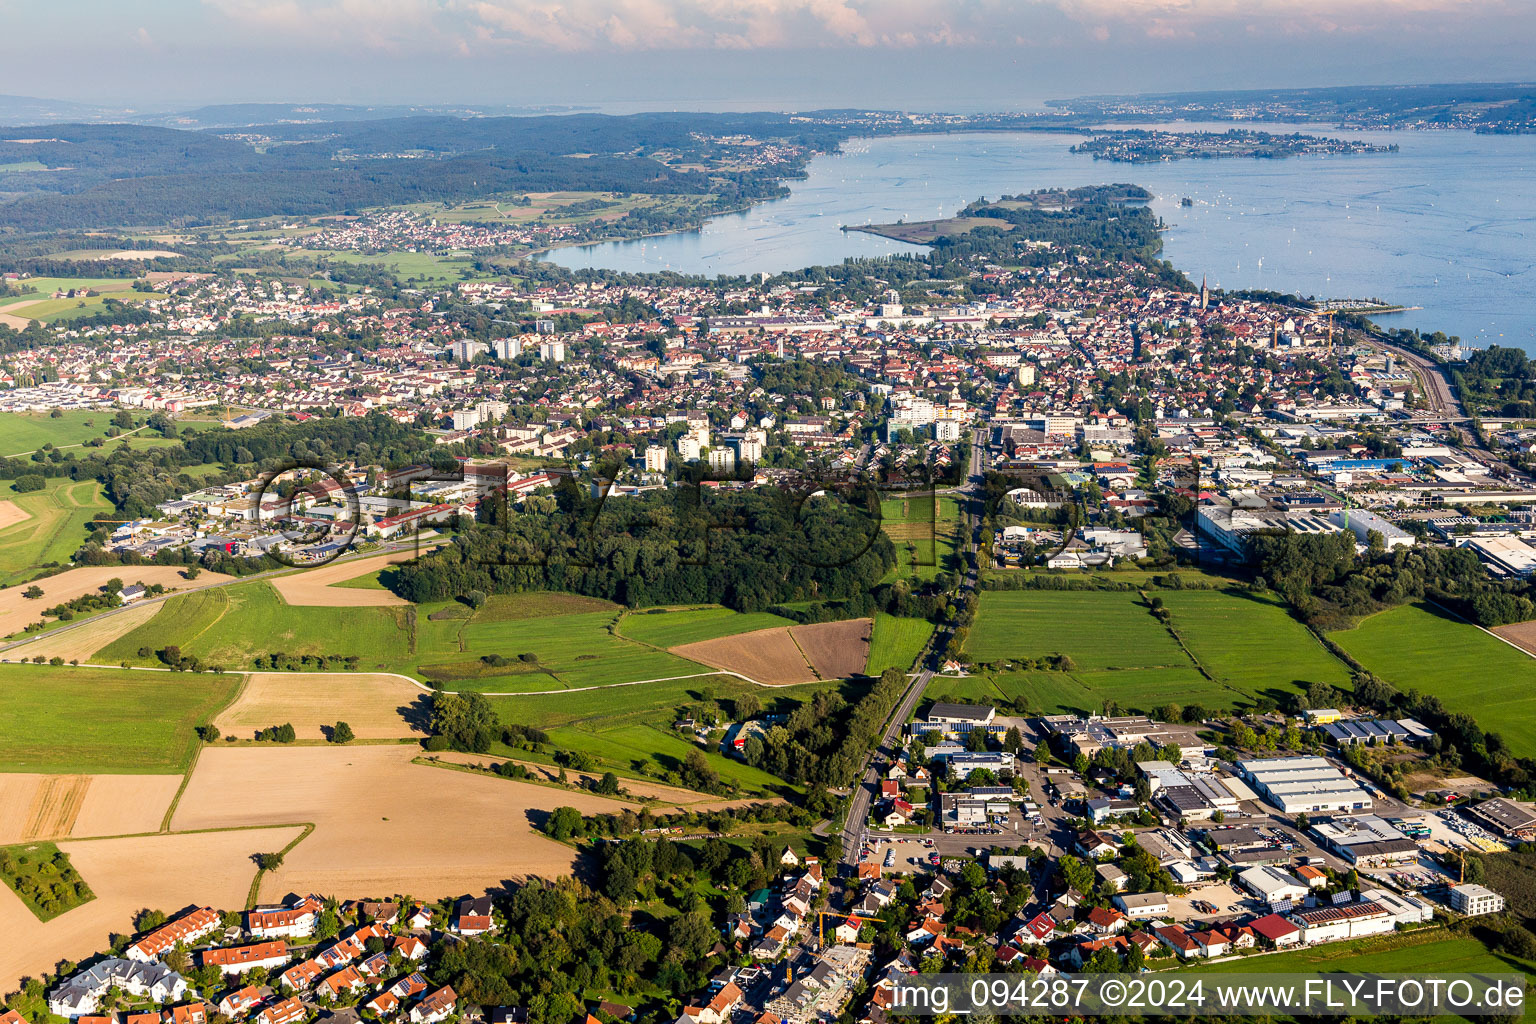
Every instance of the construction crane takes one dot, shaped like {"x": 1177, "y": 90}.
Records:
{"x": 1329, "y": 317}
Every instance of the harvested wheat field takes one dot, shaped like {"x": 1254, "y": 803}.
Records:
{"x": 61, "y": 806}
{"x": 768, "y": 656}
{"x": 120, "y": 805}
{"x": 787, "y": 654}
{"x": 17, "y": 611}
{"x": 39, "y": 806}
{"x": 382, "y": 824}
{"x": 12, "y": 513}
{"x": 83, "y": 641}
{"x": 314, "y": 586}
{"x": 836, "y": 650}
{"x": 169, "y": 872}
{"x": 377, "y": 707}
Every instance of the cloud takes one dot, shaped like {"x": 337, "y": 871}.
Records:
{"x": 576, "y": 26}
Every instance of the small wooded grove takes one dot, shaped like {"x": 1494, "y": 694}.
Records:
{"x": 744, "y": 549}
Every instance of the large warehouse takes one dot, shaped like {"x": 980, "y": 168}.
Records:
{"x": 1304, "y": 785}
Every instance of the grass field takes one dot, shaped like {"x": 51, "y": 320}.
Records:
{"x": 1097, "y": 630}
{"x": 1430, "y": 953}
{"x": 896, "y": 642}
{"x": 44, "y": 287}
{"x": 423, "y": 266}
{"x": 55, "y": 310}
{"x": 22, "y": 432}
{"x": 923, "y": 529}
{"x": 367, "y": 581}
{"x": 630, "y": 730}
{"x": 229, "y": 626}
{"x": 571, "y": 650}
{"x": 1247, "y": 645}
{"x": 87, "y": 720}
{"x": 57, "y": 527}
{"x": 1421, "y": 648}
{"x": 568, "y": 637}
{"x": 671, "y": 627}
{"x": 1251, "y": 641}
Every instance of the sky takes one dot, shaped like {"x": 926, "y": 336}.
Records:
{"x": 624, "y": 55}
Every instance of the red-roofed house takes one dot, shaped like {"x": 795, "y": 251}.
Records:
{"x": 1104, "y": 921}
{"x": 236, "y": 1003}
{"x": 302, "y": 975}
{"x": 1178, "y": 940}
{"x": 239, "y": 959}
{"x": 474, "y": 916}
{"x": 343, "y": 982}
{"x": 435, "y": 1007}
{"x": 188, "y": 929}
{"x": 285, "y": 1011}
{"x": 1277, "y": 931}
{"x": 295, "y": 918}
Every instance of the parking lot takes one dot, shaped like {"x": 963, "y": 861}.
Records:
{"x": 903, "y": 855}
{"x": 1228, "y": 900}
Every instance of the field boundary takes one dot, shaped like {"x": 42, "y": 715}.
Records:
{"x": 1503, "y": 640}
{"x": 254, "y": 894}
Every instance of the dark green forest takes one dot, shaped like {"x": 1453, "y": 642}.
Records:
{"x": 743, "y": 549}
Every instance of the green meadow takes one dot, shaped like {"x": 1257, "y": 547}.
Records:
{"x": 671, "y": 627}
{"x": 923, "y": 527}
{"x": 229, "y": 626}
{"x": 59, "y": 516}
{"x": 1418, "y": 647}
{"x": 896, "y": 643}
{"x": 90, "y": 720}
{"x": 22, "y": 432}
{"x": 1231, "y": 647}
{"x": 630, "y": 729}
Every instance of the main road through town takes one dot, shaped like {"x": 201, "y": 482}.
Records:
{"x": 863, "y": 795}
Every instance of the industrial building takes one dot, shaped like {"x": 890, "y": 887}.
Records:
{"x": 1375, "y": 731}
{"x": 1347, "y": 921}
{"x": 1304, "y": 785}
{"x": 1366, "y": 841}
{"x": 1504, "y": 817}
{"x": 1362, "y": 524}
{"x": 1272, "y": 885}
{"x": 1188, "y": 796}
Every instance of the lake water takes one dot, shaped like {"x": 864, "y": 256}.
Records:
{"x": 1447, "y": 223}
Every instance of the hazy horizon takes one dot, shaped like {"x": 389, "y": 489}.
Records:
{"x": 625, "y": 55}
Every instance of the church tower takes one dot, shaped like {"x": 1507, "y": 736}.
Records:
{"x": 1205, "y": 295}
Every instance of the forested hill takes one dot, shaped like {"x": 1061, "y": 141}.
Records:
{"x": 93, "y": 175}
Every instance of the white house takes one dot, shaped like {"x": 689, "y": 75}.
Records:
{"x": 81, "y": 994}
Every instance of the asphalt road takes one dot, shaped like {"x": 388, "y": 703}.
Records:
{"x": 855, "y": 824}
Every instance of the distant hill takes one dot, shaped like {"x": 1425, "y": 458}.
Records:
{"x": 71, "y": 176}
{"x": 33, "y": 110}
{"x": 17, "y": 110}
{"x": 1482, "y": 106}
{"x": 244, "y": 115}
